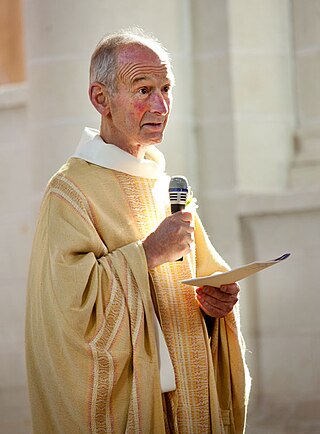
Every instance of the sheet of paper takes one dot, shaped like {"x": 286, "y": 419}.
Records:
{"x": 218, "y": 279}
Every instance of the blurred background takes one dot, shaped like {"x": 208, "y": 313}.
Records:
{"x": 245, "y": 130}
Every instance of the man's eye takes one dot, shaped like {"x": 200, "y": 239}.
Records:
{"x": 143, "y": 90}
{"x": 166, "y": 89}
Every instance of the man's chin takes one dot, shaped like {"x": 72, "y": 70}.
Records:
{"x": 153, "y": 139}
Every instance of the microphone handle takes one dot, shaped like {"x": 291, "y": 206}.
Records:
{"x": 175, "y": 207}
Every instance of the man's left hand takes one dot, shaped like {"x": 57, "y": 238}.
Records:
{"x": 218, "y": 302}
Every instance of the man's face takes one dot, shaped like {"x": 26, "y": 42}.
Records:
{"x": 140, "y": 108}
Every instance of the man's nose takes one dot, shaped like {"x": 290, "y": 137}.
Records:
{"x": 159, "y": 104}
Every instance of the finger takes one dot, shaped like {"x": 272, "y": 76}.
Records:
{"x": 186, "y": 215}
{"x": 208, "y": 290}
{"x": 214, "y": 297}
{"x": 222, "y": 298}
{"x": 183, "y": 223}
{"x": 224, "y": 302}
{"x": 232, "y": 288}
{"x": 213, "y": 291}
{"x": 189, "y": 228}
{"x": 214, "y": 311}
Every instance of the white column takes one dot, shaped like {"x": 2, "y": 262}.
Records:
{"x": 305, "y": 171}
{"x": 244, "y": 124}
{"x": 262, "y": 92}
{"x": 212, "y": 89}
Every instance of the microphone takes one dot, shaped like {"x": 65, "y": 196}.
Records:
{"x": 178, "y": 191}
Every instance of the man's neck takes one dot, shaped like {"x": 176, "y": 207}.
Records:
{"x": 137, "y": 150}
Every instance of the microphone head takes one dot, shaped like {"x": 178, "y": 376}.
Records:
{"x": 178, "y": 190}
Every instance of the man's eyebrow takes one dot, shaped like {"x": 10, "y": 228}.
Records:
{"x": 137, "y": 79}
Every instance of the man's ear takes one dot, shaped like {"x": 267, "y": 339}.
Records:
{"x": 99, "y": 97}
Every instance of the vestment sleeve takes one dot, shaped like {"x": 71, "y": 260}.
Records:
{"x": 208, "y": 260}
{"x": 68, "y": 266}
{"x": 232, "y": 378}
{"x": 89, "y": 327}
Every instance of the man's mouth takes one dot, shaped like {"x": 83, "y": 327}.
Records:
{"x": 153, "y": 125}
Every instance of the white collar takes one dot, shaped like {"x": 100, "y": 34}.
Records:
{"x": 93, "y": 149}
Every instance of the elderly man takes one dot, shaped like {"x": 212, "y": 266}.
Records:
{"x": 114, "y": 341}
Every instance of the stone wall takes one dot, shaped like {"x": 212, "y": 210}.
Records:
{"x": 305, "y": 171}
{"x": 280, "y": 311}
{"x": 16, "y": 225}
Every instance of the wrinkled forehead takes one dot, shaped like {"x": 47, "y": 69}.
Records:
{"x": 140, "y": 62}
{"x": 129, "y": 73}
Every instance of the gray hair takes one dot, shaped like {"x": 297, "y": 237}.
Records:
{"x": 104, "y": 66}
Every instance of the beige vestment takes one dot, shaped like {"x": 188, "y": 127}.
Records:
{"x": 91, "y": 346}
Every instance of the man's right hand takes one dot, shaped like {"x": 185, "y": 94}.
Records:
{"x": 171, "y": 240}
